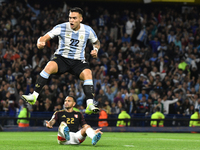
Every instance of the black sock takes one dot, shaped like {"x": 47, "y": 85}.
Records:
{"x": 89, "y": 91}
{"x": 40, "y": 83}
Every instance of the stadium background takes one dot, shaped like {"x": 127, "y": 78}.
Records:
{"x": 20, "y": 28}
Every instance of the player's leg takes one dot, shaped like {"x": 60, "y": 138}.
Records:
{"x": 63, "y": 132}
{"x": 95, "y": 135}
{"x": 67, "y": 138}
{"x": 88, "y": 89}
{"x": 49, "y": 69}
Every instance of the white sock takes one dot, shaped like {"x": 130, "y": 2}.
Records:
{"x": 89, "y": 101}
{"x": 36, "y": 94}
{"x": 90, "y": 133}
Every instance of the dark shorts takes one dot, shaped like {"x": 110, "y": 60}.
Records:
{"x": 72, "y": 66}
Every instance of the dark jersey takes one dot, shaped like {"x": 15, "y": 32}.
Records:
{"x": 73, "y": 119}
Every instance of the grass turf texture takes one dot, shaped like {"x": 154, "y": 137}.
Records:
{"x": 109, "y": 141}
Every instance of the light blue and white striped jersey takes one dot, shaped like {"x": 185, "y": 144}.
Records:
{"x": 72, "y": 43}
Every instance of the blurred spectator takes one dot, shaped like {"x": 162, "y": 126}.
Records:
{"x": 103, "y": 115}
{"x": 179, "y": 108}
{"x": 186, "y": 106}
{"x": 123, "y": 115}
{"x": 118, "y": 98}
{"x": 48, "y": 105}
{"x": 166, "y": 103}
{"x": 114, "y": 109}
{"x": 159, "y": 104}
{"x": 107, "y": 107}
{"x": 24, "y": 113}
{"x": 195, "y": 116}
{"x": 143, "y": 105}
{"x": 143, "y": 93}
{"x": 101, "y": 97}
{"x": 157, "y": 115}
{"x": 134, "y": 95}
{"x": 130, "y": 25}
{"x": 130, "y": 105}
{"x": 110, "y": 95}
{"x": 38, "y": 107}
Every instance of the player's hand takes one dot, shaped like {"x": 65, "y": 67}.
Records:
{"x": 40, "y": 45}
{"x": 94, "y": 53}
{"x": 98, "y": 131}
{"x": 48, "y": 125}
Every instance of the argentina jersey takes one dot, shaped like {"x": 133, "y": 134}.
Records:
{"x": 72, "y": 43}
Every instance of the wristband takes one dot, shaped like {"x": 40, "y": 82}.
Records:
{"x": 38, "y": 40}
{"x": 96, "y": 49}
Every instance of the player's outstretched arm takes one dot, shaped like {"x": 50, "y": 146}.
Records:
{"x": 41, "y": 42}
{"x": 96, "y": 46}
{"x": 49, "y": 124}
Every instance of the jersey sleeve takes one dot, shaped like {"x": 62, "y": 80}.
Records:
{"x": 93, "y": 37}
{"x": 55, "y": 116}
{"x": 82, "y": 120}
{"x": 55, "y": 31}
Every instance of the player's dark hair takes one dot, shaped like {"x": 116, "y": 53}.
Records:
{"x": 72, "y": 97}
{"x": 77, "y": 9}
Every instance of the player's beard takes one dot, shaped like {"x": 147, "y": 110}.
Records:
{"x": 68, "y": 107}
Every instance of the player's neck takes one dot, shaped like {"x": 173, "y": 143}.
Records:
{"x": 77, "y": 28}
{"x": 69, "y": 109}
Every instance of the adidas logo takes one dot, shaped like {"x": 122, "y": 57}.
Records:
{"x": 63, "y": 116}
{"x": 37, "y": 85}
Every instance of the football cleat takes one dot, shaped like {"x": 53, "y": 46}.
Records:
{"x": 66, "y": 132}
{"x": 96, "y": 138}
{"x": 91, "y": 109}
{"x": 31, "y": 99}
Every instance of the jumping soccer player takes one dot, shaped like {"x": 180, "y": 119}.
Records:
{"x": 70, "y": 120}
{"x": 70, "y": 56}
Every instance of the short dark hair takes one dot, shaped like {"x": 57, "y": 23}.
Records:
{"x": 77, "y": 9}
{"x": 72, "y": 97}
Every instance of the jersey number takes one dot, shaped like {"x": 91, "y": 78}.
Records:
{"x": 74, "y": 42}
{"x": 70, "y": 121}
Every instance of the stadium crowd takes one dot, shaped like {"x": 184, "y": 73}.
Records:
{"x": 147, "y": 59}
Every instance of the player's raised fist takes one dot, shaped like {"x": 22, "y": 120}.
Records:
{"x": 40, "y": 44}
{"x": 94, "y": 53}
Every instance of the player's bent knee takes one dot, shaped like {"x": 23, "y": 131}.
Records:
{"x": 87, "y": 126}
{"x": 51, "y": 67}
{"x": 86, "y": 74}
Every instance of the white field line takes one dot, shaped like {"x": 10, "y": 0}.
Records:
{"x": 153, "y": 139}
{"x": 129, "y": 145}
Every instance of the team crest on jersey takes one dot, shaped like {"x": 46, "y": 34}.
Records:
{"x": 75, "y": 115}
{"x": 81, "y": 37}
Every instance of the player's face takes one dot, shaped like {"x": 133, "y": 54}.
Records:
{"x": 69, "y": 103}
{"x": 74, "y": 19}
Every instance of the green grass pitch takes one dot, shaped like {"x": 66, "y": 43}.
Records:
{"x": 109, "y": 141}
